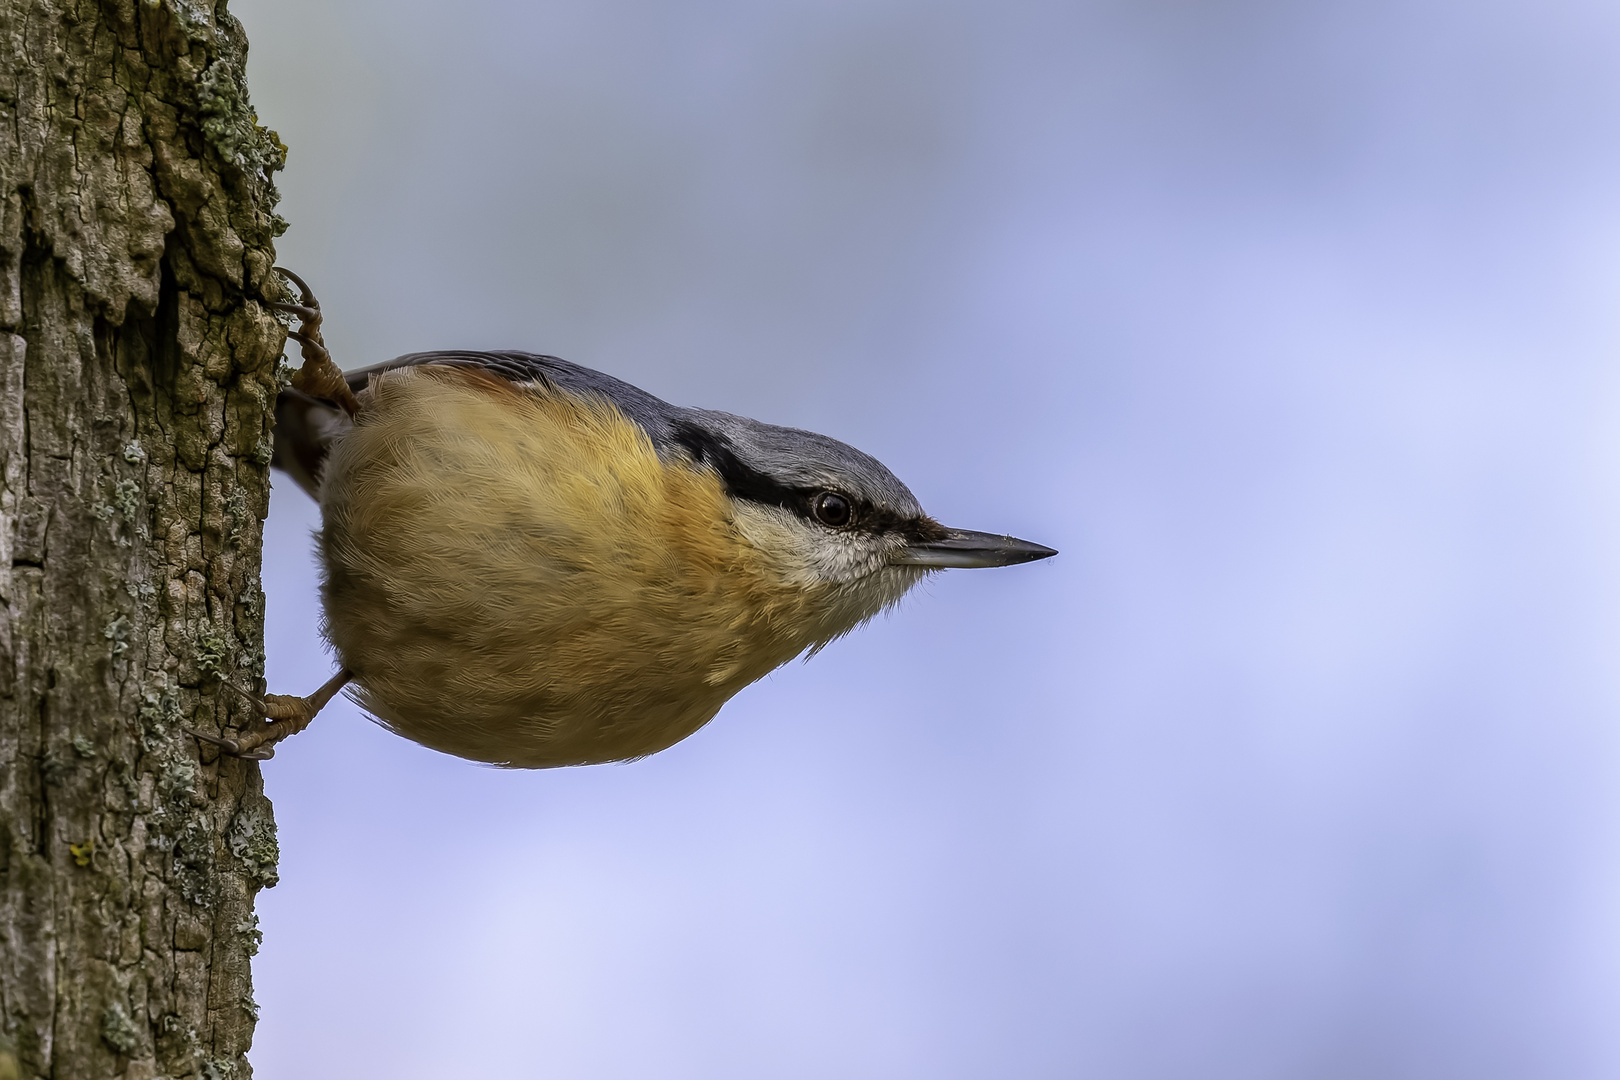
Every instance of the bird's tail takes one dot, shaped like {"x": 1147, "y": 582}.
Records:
{"x": 306, "y": 427}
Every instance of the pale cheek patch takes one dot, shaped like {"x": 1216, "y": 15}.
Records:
{"x": 846, "y": 576}
{"x": 808, "y": 554}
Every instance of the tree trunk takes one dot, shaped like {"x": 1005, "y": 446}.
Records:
{"x": 138, "y": 370}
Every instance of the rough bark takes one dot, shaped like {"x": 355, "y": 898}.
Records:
{"x": 138, "y": 368}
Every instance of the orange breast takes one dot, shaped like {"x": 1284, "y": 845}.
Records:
{"x": 517, "y": 577}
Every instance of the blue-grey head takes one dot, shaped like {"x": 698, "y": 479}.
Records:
{"x": 837, "y": 519}
{"x": 853, "y": 516}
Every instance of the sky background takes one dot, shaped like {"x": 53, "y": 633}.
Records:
{"x": 1293, "y": 325}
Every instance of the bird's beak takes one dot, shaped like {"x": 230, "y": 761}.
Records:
{"x": 964, "y": 548}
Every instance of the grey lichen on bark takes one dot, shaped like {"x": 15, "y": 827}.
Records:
{"x": 138, "y": 370}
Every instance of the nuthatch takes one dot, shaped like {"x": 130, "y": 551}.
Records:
{"x": 529, "y": 563}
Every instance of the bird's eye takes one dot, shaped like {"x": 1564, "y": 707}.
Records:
{"x": 832, "y": 509}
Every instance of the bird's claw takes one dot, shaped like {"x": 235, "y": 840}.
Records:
{"x": 305, "y": 313}
{"x": 287, "y": 714}
{"x": 319, "y": 377}
{"x": 233, "y": 747}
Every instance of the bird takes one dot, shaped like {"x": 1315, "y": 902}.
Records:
{"x": 531, "y": 564}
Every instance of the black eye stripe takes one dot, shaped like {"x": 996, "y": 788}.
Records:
{"x": 744, "y": 482}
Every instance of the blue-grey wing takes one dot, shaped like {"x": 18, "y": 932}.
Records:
{"x": 306, "y": 426}
{"x": 523, "y": 368}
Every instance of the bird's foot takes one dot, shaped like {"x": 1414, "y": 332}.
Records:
{"x": 319, "y": 377}
{"x": 286, "y": 713}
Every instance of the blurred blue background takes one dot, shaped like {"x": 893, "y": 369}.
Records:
{"x": 1293, "y": 325}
